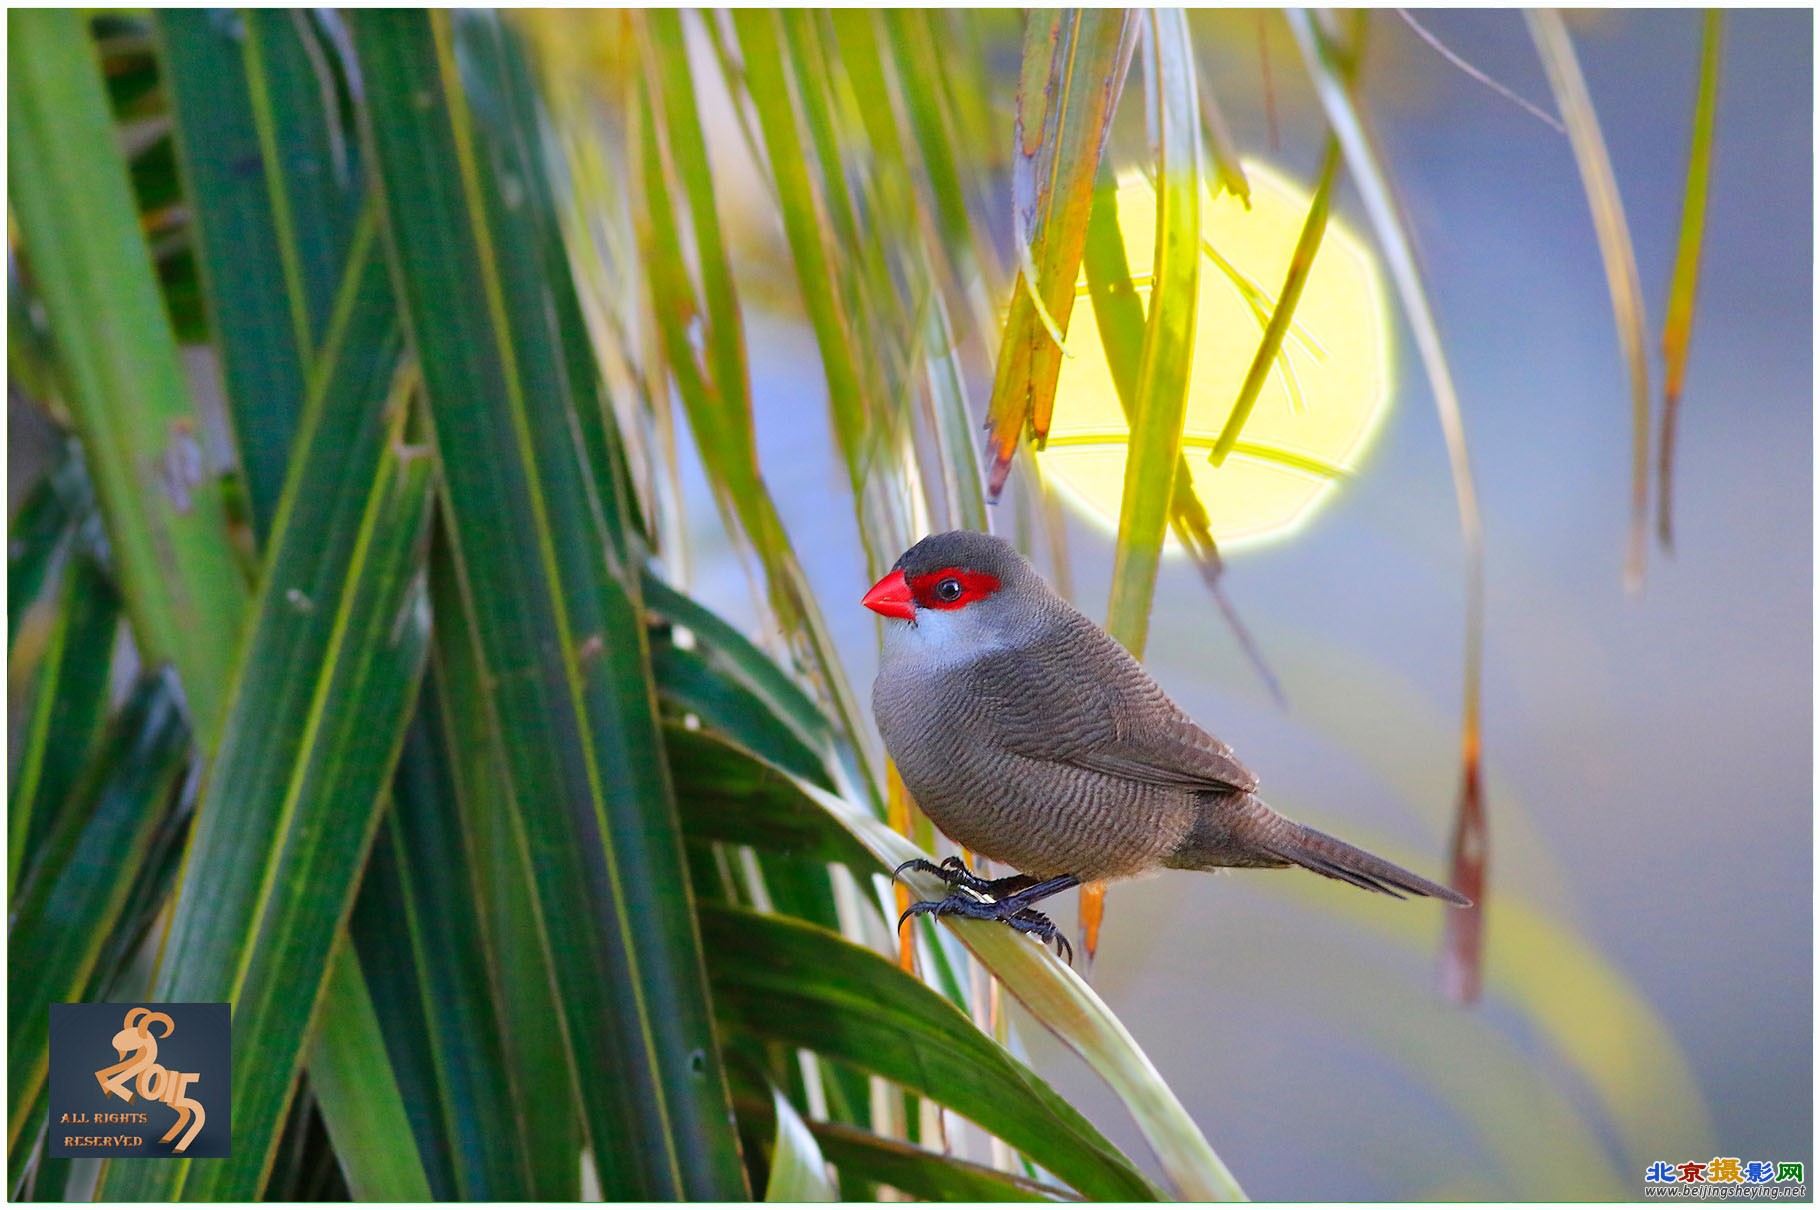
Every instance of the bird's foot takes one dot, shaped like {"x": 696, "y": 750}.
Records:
{"x": 1009, "y": 911}
{"x": 1043, "y": 929}
{"x": 954, "y": 872}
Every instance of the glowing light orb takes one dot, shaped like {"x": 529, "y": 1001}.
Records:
{"x": 1325, "y": 399}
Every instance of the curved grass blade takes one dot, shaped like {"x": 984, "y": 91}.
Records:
{"x": 736, "y": 658}
{"x": 554, "y": 618}
{"x": 68, "y": 708}
{"x": 1557, "y": 53}
{"x": 1073, "y": 71}
{"x": 1331, "y": 71}
{"x": 75, "y": 897}
{"x": 167, "y": 524}
{"x": 693, "y": 685}
{"x": 728, "y": 795}
{"x": 1678, "y": 328}
{"x": 1069, "y": 1009}
{"x": 924, "y": 1174}
{"x": 352, "y": 1079}
{"x": 807, "y": 987}
{"x": 798, "y": 1171}
{"x": 1441, "y": 48}
{"x": 863, "y": 1157}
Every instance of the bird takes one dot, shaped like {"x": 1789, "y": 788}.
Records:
{"x": 1030, "y": 736}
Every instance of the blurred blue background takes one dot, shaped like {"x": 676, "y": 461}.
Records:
{"x": 1648, "y": 755}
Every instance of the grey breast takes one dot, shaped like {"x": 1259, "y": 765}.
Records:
{"x": 985, "y": 750}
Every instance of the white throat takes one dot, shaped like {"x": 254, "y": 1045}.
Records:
{"x": 939, "y": 638}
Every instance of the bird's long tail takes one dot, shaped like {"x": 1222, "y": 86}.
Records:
{"x": 1332, "y": 857}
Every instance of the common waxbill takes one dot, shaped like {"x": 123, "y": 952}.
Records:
{"x": 1032, "y": 737}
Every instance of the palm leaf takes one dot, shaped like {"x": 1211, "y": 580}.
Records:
{"x": 555, "y": 625}
{"x": 293, "y": 795}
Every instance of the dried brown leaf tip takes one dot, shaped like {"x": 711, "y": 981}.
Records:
{"x": 1463, "y": 952}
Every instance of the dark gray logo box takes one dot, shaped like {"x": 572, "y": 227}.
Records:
{"x": 86, "y": 1123}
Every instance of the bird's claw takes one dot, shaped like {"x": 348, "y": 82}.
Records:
{"x": 1043, "y": 929}
{"x": 1022, "y": 919}
{"x": 952, "y": 871}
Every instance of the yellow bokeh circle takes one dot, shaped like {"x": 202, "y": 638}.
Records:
{"x": 1324, "y": 400}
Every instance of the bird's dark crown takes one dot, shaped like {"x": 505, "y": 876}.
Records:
{"x": 967, "y": 549}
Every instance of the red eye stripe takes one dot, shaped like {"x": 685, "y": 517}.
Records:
{"x": 975, "y": 585}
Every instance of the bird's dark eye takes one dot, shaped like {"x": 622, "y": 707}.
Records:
{"x": 948, "y": 590}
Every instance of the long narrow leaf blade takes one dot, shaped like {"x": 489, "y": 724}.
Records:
{"x": 439, "y": 912}
{"x": 1074, "y": 67}
{"x": 1575, "y": 102}
{"x": 74, "y": 902}
{"x": 811, "y": 988}
{"x": 318, "y": 713}
{"x": 926, "y": 1174}
{"x": 1677, "y": 329}
{"x": 1301, "y": 261}
{"x": 388, "y": 967}
{"x": 352, "y": 1079}
{"x": 167, "y": 524}
{"x": 539, "y": 1059}
{"x": 68, "y": 708}
{"x": 1331, "y": 73}
{"x": 237, "y": 244}
{"x": 1167, "y": 358}
{"x": 1068, "y": 1008}
{"x": 1119, "y": 316}
{"x": 298, "y": 85}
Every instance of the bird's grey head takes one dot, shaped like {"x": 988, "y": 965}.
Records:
{"x": 958, "y": 595}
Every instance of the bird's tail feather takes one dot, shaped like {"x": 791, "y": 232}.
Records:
{"x": 1334, "y": 858}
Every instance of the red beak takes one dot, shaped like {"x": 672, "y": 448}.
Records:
{"x": 891, "y": 597}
